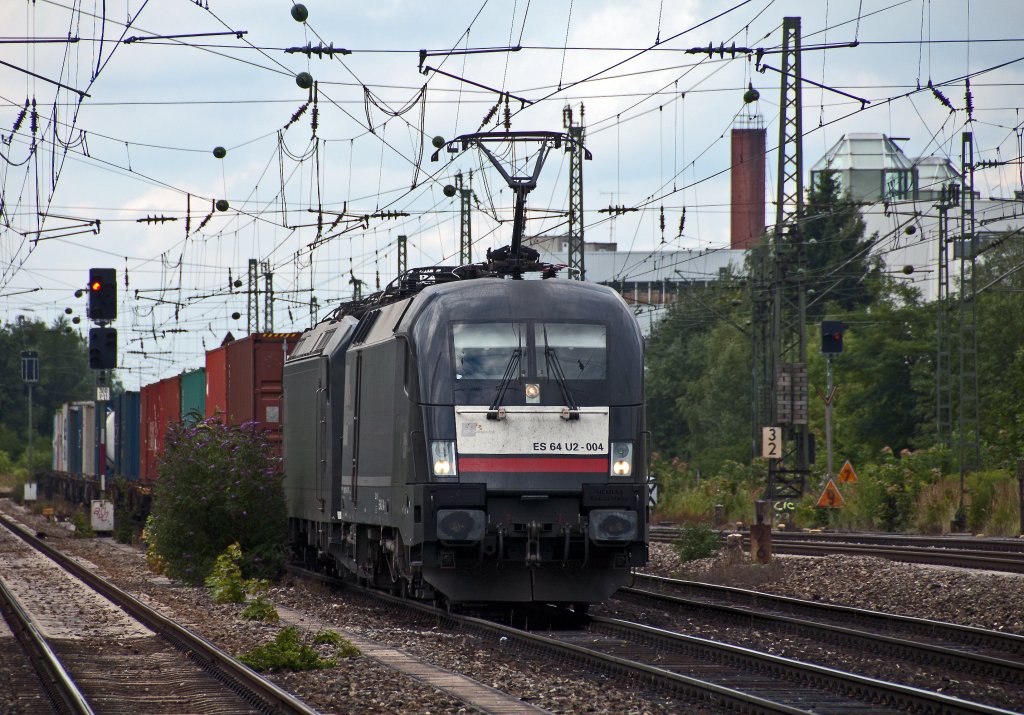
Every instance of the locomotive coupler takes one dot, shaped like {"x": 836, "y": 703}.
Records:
{"x": 533, "y": 544}
{"x": 567, "y": 532}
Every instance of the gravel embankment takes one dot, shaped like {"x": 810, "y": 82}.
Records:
{"x": 359, "y": 685}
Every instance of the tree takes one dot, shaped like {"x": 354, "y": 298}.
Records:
{"x": 999, "y": 282}
{"x": 840, "y": 269}
{"x": 882, "y": 376}
{"x": 64, "y": 376}
{"x": 698, "y": 375}
{"x": 218, "y": 485}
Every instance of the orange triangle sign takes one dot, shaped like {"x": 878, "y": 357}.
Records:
{"x": 830, "y": 497}
{"x": 847, "y": 475}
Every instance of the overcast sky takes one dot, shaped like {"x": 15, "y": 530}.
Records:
{"x": 129, "y": 133}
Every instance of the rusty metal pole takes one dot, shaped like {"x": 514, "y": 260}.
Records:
{"x": 761, "y": 535}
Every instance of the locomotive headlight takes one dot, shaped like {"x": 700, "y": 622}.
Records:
{"x": 460, "y": 524}
{"x": 611, "y": 525}
{"x": 442, "y": 455}
{"x": 532, "y": 393}
{"x": 622, "y": 459}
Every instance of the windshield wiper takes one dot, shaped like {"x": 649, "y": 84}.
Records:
{"x": 555, "y": 368}
{"x": 511, "y": 370}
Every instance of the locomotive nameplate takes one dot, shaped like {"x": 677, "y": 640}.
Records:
{"x": 532, "y": 430}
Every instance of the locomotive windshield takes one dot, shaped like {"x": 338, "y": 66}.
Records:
{"x": 579, "y": 348}
{"x": 483, "y": 351}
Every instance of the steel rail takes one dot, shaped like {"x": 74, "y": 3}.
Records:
{"x": 1002, "y": 555}
{"x": 703, "y": 692}
{"x": 891, "y": 697}
{"x": 860, "y": 689}
{"x": 59, "y": 686}
{"x": 1009, "y": 644}
{"x": 262, "y": 694}
{"x": 1003, "y": 669}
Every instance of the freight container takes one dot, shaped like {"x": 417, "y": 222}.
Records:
{"x": 193, "y": 396}
{"x": 243, "y": 381}
{"x": 123, "y": 435}
{"x": 160, "y": 406}
{"x": 60, "y": 439}
{"x": 81, "y": 438}
{"x": 216, "y": 380}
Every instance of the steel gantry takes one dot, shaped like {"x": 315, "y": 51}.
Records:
{"x": 779, "y": 369}
{"x": 576, "y": 258}
{"x": 465, "y": 219}
{"x": 254, "y": 297}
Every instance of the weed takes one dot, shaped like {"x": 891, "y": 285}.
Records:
{"x": 345, "y": 648}
{"x": 260, "y": 609}
{"x": 83, "y": 528}
{"x": 286, "y": 652}
{"x": 225, "y": 580}
{"x": 697, "y": 542}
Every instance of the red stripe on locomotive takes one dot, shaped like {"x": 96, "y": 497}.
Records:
{"x": 534, "y": 464}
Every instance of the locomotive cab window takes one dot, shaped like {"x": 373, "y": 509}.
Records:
{"x": 580, "y": 350}
{"x": 483, "y": 351}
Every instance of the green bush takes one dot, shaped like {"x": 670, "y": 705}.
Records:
{"x": 218, "y": 485}
{"x": 226, "y": 585}
{"x": 82, "y": 523}
{"x": 285, "y": 652}
{"x": 936, "y": 506}
{"x": 697, "y": 542}
{"x": 124, "y": 528}
{"x": 992, "y": 503}
{"x": 685, "y": 497}
{"x": 7, "y": 480}
{"x": 225, "y": 582}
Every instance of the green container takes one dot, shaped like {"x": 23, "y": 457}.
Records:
{"x": 193, "y": 396}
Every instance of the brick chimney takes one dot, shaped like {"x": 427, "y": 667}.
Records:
{"x": 748, "y": 158}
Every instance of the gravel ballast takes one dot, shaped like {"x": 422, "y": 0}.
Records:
{"x": 360, "y": 685}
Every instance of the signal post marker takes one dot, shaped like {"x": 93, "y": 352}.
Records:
{"x": 830, "y": 497}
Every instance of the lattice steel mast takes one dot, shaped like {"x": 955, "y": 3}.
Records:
{"x": 787, "y": 367}
{"x": 576, "y": 259}
{"x": 254, "y": 297}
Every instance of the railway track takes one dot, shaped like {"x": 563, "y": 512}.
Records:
{"x": 700, "y": 673}
{"x": 991, "y": 554}
{"x": 973, "y": 663}
{"x": 44, "y": 686}
{"x": 125, "y": 658}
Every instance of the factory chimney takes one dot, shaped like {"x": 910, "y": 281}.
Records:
{"x": 748, "y": 161}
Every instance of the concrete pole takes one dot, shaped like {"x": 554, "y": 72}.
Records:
{"x": 31, "y": 471}
{"x": 828, "y": 412}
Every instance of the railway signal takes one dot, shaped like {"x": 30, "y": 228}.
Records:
{"x": 102, "y": 294}
{"x": 102, "y": 348}
{"x": 832, "y": 337}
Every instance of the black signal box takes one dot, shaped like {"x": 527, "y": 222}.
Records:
{"x": 832, "y": 337}
{"x": 102, "y": 294}
{"x": 102, "y": 348}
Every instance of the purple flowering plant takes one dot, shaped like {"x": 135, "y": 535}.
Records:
{"x": 219, "y": 484}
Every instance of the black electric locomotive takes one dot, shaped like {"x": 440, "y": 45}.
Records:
{"x": 472, "y": 437}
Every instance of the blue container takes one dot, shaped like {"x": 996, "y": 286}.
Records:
{"x": 127, "y": 418}
{"x": 75, "y": 439}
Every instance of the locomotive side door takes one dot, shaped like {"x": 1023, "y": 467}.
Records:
{"x": 356, "y": 392}
{"x": 320, "y": 438}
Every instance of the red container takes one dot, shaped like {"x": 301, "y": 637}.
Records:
{"x": 243, "y": 381}
{"x": 217, "y": 381}
{"x": 160, "y": 405}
